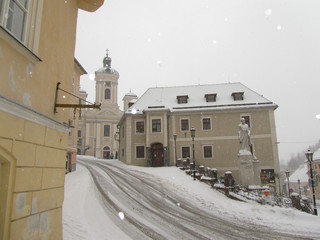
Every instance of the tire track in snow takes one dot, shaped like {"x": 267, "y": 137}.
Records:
{"x": 184, "y": 222}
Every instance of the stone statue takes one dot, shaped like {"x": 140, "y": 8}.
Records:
{"x": 244, "y": 137}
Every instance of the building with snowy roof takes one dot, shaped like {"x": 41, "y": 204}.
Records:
{"x": 298, "y": 181}
{"x": 147, "y": 128}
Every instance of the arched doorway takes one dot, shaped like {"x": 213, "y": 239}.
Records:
{"x": 106, "y": 152}
{"x": 157, "y": 159}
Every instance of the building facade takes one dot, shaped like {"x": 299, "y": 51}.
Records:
{"x": 148, "y": 127}
{"x": 37, "y": 42}
{"x": 74, "y": 118}
{"x": 97, "y": 134}
{"x": 316, "y": 173}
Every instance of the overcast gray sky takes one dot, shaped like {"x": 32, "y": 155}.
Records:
{"x": 271, "y": 46}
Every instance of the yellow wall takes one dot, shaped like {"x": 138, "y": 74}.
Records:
{"x": 22, "y": 78}
{"x": 37, "y": 193}
{"x": 34, "y": 139}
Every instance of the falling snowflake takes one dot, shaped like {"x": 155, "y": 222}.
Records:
{"x": 268, "y": 12}
{"x": 121, "y": 215}
{"x": 91, "y": 76}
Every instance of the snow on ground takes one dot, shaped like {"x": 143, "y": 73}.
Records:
{"x": 84, "y": 216}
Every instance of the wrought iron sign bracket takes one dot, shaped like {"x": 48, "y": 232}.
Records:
{"x": 70, "y": 105}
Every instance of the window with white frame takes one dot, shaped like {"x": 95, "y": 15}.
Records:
{"x": 139, "y": 151}
{"x": 21, "y": 20}
{"x": 185, "y": 152}
{"x": 184, "y": 124}
{"x": 156, "y": 125}
{"x": 206, "y": 123}
{"x": 207, "y": 151}
{"x": 140, "y": 127}
{"x": 14, "y": 16}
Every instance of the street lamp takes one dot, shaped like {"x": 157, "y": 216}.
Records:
{"x": 193, "y": 134}
{"x": 299, "y": 187}
{"x": 309, "y": 156}
{"x": 95, "y": 144}
{"x": 288, "y": 174}
{"x": 175, "y": 147}
{"x": 117, "y": 138}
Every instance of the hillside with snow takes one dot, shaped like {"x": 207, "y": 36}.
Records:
{"x": 85, "y": 214}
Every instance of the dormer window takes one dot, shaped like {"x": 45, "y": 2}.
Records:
{"x": 211, "y": 97}
{"x": 182, "y": 99}
{"x": 237, "y": 96}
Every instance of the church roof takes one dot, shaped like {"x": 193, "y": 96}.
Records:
{"x": 107, "y": 66}
{"x": 195, "y": 98}
{"x": 107, "y": 70}
{"x": 131, "y": 94}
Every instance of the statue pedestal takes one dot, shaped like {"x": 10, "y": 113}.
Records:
{"x": 249, "y": 169}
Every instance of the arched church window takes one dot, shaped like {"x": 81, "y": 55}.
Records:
{"x": 107, "y": 94}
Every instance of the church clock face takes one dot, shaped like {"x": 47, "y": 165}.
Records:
{"x": 107, "y": 84}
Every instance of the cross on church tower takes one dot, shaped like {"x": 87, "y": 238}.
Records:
{"x": 107, "y": 60}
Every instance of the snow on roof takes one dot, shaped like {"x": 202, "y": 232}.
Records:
{"x": 131, "y": 94}
{"x": 165, "y": 98}
{"x": 300, "y": 173}
{"x": 316, "y": 155}
{"x": 107, "y": 70}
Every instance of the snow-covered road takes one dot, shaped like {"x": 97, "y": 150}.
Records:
{"x": 126, "y": 202}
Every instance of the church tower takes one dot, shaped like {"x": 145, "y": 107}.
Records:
{"x": 107, "y": 84}
{"x": 99, "y": 128}
{"x": 128, "y": 100}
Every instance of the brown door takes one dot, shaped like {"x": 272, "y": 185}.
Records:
{"x": 157, "y": 155}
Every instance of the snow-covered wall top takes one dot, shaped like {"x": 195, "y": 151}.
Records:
{"x": 165, "y": 98}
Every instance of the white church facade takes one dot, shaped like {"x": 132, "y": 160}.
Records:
{"x": 97, "y": 134}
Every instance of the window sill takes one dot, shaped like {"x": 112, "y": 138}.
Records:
{"x": 18, "y": 45}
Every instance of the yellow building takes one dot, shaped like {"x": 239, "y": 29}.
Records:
{"x": 74, "y": 117}
{"x": 148, "y": 127}
{"x": 37, "y": 42}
